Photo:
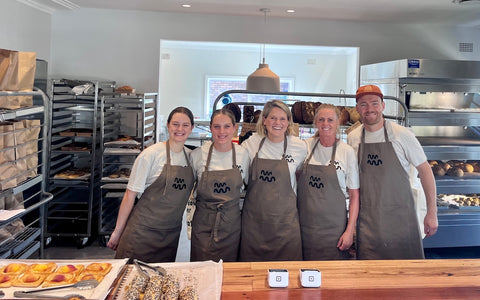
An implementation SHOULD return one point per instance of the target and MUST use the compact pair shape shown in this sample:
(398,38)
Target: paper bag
(8,70)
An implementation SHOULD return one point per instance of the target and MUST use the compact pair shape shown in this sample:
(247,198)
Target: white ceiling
(417,11)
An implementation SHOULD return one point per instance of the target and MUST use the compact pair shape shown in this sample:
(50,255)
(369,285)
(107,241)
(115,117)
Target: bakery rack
(258,99)
(127,126)
(74,138)
(30,189)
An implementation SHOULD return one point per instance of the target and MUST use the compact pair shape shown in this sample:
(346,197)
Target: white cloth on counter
(149,165)
(84,89)
(345,162)
(295,154)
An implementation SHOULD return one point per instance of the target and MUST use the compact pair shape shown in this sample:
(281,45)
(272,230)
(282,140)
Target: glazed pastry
(29,280)
(6,280)
(14,269)
(88,275)
(45,268)
(56,279)
(101,268)
(71,269)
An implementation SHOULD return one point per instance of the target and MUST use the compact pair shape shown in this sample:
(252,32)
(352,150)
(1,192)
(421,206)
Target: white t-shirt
(295,153)
(149,165)
(406,146)
(219,160)
(345,162)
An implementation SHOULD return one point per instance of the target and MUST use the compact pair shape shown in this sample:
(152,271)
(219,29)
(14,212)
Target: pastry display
(43,268)
(456,201)
(99,268)
(29,280)
(14,269)
(56,279)
(6,280)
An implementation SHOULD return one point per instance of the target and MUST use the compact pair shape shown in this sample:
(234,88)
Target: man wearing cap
(387,225)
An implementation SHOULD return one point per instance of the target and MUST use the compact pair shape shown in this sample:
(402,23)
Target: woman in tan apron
(151,231)
(321,199)
(270,226)
(216,221)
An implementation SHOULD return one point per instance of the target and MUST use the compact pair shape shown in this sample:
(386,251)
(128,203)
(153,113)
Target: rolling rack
(246,97)
(72,170)
(128,125)
(27,186)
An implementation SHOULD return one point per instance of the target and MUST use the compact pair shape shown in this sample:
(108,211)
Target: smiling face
(179,128)
(370,109)
(327,122)
(222,129)
(276,124)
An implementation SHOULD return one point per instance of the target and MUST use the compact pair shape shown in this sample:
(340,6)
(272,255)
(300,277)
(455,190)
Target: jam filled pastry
(43,268)
(14,269)
(101,268)
(29,280)
(56,279)
(71,269)
(6,280)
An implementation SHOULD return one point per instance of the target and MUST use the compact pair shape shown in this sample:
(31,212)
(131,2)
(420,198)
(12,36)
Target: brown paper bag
(15,102)
(8,70)
(7,142)
(11,202)
(27,151)
(17,70)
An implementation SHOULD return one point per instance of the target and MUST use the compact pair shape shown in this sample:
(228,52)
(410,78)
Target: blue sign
(413,63)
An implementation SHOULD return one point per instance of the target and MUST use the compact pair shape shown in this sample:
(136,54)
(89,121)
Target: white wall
(24,28)
(124,45)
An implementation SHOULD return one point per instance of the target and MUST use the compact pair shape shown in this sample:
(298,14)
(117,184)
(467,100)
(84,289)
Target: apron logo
(219,187)
(289,158)
(336,164)
(266,176)
(373,160)
(179,184)
(316,182)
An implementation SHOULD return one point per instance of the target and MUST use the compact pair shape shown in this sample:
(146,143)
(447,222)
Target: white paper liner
(121,143)
(100,292)
(207,277)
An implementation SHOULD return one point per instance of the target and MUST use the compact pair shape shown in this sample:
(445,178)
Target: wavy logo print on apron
(179,184)
(218,187)
(374,160)
(266,176)
(316,182)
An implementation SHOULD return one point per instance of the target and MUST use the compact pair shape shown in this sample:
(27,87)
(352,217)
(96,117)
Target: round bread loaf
(438,170)
(455,172)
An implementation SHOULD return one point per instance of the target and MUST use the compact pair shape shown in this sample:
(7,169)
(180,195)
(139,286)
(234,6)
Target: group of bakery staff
(296,190)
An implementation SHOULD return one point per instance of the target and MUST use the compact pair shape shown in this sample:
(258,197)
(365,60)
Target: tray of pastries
(457,201)
(119,175)
(25,275)
(455,168)
(74,174)
(185,281)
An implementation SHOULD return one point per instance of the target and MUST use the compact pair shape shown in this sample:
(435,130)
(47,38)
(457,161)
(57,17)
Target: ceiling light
(290,10)
(186,5)
(263,79)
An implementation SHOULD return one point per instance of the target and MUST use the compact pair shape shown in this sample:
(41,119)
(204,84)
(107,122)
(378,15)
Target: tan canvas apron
(321,210)
(270,227)
(387,223)
(153,228)
(216,222)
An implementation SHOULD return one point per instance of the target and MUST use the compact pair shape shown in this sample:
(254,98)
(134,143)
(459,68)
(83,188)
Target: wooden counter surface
(352,279)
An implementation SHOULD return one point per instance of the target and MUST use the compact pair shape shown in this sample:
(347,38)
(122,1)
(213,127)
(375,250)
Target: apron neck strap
(285,144)
(209,157)
(168,152)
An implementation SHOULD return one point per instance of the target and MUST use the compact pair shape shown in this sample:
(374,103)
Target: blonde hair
(261,130)
(327,106)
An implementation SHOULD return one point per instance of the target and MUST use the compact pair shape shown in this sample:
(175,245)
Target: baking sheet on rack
(207,277)
(100,292)
(121,143)
(111,150)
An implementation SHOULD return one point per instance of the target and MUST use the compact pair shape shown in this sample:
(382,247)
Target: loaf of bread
(455,172)
(344,115)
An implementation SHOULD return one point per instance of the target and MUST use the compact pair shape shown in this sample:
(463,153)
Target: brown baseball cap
(368,90)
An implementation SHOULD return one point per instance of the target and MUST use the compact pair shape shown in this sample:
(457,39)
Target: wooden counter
(352,279)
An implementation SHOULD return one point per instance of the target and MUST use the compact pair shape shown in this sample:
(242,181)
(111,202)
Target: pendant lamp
(263,79)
